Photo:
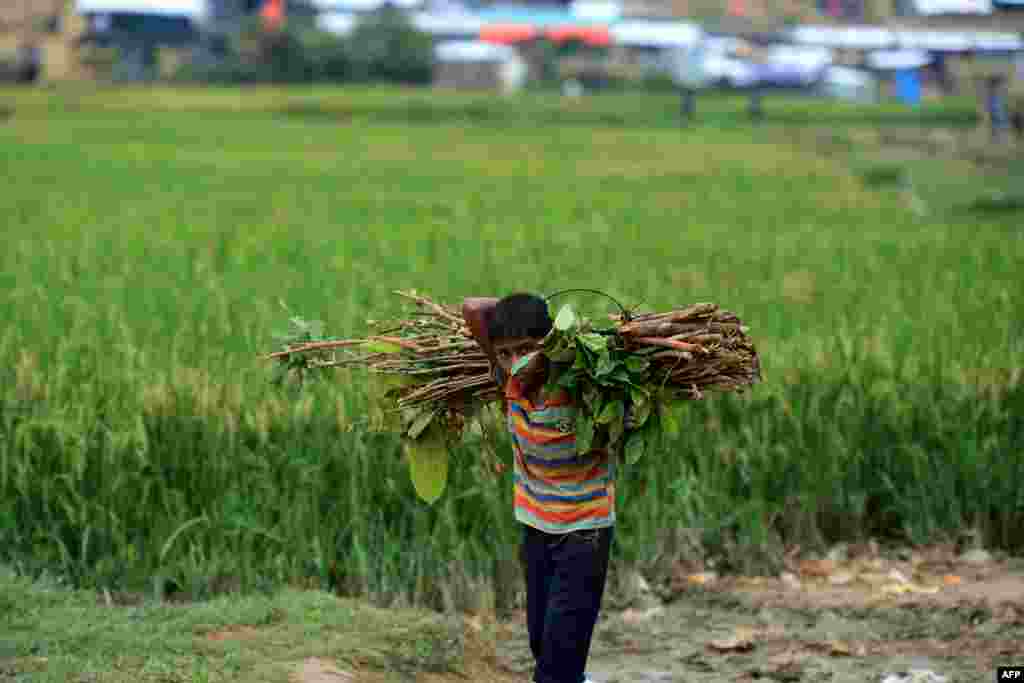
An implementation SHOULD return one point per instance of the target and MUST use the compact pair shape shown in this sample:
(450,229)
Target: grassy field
(152,236)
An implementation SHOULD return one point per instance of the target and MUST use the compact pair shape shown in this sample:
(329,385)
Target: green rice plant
(146,257)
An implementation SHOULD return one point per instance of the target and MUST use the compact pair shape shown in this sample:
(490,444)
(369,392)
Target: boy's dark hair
(517,316)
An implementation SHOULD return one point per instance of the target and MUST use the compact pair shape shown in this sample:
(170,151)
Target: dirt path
(930,618)
(917,617)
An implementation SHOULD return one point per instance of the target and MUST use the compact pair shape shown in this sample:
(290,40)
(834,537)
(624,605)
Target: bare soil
(927,616)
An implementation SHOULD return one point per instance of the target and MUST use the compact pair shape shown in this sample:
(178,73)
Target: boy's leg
(537,570)
(580,567)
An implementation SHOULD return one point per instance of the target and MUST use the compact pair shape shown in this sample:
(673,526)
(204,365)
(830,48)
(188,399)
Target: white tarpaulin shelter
(930,7)
(935,41)
(997,42)
(655,34)
(472,51)
(193,9)
(845,83)
(338,23)
(853,37)
(333,6)
(474,63)
(596,10)
(342,23)
(454,24)
(898,60)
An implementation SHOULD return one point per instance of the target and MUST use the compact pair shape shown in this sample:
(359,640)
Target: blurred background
(862,50)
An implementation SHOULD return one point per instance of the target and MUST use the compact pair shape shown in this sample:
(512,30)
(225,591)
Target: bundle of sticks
(692,349)
(437,350)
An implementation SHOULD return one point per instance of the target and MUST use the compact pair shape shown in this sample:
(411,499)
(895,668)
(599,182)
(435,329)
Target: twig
(669,343)
(316,346)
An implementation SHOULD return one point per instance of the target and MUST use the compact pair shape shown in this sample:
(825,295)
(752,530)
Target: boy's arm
(474,312)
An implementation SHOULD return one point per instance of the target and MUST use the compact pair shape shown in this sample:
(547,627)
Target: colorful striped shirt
(556,490)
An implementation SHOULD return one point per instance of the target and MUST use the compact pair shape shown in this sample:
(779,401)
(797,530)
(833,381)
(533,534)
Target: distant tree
(385,46)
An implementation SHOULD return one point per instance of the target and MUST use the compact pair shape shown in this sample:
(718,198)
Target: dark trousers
(565,577)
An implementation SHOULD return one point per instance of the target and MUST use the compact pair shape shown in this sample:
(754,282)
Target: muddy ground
(925,616)
(849,618)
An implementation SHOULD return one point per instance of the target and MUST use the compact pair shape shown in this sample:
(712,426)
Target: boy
(565,500)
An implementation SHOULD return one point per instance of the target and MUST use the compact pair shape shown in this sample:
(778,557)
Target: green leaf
(428,464)
(566,319)
(637,365)
(605,365)
(584,432)
(568,380)
(636,445)
(594,342)
(616,428)
(620,375)
(421,422)
(611,411)
(381,347)
(641,407)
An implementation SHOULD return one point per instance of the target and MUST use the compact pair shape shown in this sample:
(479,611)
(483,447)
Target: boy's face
(510,351)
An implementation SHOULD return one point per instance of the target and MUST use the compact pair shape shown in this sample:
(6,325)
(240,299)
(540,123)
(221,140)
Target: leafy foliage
(383,46)
(604,379)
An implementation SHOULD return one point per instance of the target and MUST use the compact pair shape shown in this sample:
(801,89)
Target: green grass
(53,634)
(152,235)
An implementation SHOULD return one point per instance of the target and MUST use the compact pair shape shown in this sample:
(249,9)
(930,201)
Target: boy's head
(515,326)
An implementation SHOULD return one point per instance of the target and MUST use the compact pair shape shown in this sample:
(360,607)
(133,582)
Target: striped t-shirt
(556,490)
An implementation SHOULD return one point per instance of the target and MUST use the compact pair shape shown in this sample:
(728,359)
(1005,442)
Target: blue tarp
(908,86)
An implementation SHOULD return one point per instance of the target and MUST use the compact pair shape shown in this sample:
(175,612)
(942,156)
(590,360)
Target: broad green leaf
(636,444)
(637,365)
(620,375)
(605,365)
(640,394)
(593,341)
(421,422)
(428,463)
(568,380)
(566,319)
(641,408)
(611,411)
(381,347)
(584,432)
(616,430)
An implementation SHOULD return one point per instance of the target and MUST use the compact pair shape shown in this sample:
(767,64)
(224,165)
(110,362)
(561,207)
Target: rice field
(155,240)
